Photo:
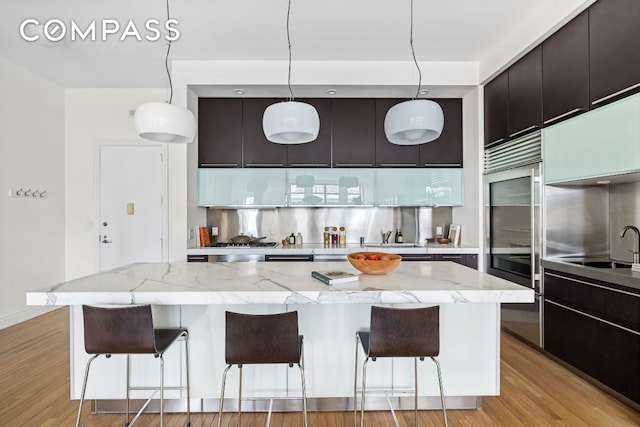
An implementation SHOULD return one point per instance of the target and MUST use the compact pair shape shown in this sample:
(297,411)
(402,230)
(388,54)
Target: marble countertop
(319,249)
(280,283)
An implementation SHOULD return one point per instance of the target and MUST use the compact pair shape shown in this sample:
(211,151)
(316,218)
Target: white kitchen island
(196,295)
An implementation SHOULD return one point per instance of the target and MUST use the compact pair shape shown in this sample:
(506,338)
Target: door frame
(97,195)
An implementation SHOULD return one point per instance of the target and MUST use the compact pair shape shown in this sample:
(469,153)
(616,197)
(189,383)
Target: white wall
(32,233)
(469,214)
(93,116)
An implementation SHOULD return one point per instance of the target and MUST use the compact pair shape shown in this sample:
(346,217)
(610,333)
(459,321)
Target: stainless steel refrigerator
(514,232)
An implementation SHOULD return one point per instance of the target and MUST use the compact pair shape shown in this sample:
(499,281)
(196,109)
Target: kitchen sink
(601,263)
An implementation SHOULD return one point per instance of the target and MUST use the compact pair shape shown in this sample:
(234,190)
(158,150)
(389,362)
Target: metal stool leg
(128,374)
(304,388)
(224,380)
(444,409)
(415,388)
(240,396)
(161,391)
(186,361)
(355,383)
(84,387)
(364,391)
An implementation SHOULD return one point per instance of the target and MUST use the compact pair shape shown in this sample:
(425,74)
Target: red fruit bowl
(374,262)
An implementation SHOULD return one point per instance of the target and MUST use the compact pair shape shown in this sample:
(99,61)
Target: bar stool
(262,339)
(129,330)
(398,332)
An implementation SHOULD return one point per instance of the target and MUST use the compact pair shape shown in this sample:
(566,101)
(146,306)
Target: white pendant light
(164,122)
(290,122)
(416,121)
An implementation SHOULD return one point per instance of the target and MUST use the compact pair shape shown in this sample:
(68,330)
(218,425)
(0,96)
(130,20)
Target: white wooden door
(131,193)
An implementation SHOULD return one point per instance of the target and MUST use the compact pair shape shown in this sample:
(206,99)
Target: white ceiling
(353,30)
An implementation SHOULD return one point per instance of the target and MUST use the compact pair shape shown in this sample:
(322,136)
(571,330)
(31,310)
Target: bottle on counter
(326,237)
(334,237)
(299,240)
(399,238)
(292,239)
(342,238)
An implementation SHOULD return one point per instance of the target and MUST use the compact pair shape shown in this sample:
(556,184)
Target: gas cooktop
(244,245)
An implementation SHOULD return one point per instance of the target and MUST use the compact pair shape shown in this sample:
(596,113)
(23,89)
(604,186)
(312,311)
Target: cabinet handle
(219,164)
(523,131)
(354,164)
(568,113)
(451,256)
(264,165)
(398,164)
(310,164)
(604,98)
(497,141)
(443,164)
(593,317)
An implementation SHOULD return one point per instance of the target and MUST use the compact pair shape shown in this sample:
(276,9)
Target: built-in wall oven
(514,233)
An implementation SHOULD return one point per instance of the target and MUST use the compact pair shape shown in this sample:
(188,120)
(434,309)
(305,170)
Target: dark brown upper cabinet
(353,132)
(614,47)
(388,154)
(258,151)
(219,132)
(317,153)
(496,110)
(446,151)
(525,93)
(565,71)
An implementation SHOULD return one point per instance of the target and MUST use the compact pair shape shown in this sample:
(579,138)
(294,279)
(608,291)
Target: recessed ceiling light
(239,91)
(605,181)
(331,91)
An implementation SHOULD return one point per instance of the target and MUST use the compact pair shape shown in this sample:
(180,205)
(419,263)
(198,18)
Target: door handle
(106,241)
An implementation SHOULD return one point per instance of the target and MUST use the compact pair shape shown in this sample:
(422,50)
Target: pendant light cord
(289,44)
(166,61)
(413,52)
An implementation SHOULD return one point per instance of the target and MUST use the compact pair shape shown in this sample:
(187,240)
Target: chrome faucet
(636,244)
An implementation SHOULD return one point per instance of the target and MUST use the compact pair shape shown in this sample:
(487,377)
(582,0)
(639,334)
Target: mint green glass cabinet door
(241,187)
(418,187)
(602,142)
(330,187)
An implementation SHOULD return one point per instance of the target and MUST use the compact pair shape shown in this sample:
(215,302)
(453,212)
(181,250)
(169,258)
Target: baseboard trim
(23,315)
(314,404)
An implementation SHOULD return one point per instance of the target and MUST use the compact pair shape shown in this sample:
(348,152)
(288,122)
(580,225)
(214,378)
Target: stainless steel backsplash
(624,209)
(577,220)
(587,220)
(417,224)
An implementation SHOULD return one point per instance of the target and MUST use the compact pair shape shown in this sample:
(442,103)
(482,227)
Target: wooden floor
(535,391)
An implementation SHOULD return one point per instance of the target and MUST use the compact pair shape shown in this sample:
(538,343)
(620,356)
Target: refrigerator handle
(534,273)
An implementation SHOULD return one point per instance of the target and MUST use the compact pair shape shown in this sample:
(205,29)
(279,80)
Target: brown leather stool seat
(262,339)
(396,332)
(129,330)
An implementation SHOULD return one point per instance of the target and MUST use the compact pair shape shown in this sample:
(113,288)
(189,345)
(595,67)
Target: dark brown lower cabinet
(583,328)
(469,260)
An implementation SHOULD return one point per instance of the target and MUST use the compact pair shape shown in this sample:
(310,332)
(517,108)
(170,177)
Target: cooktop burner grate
(244,245)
